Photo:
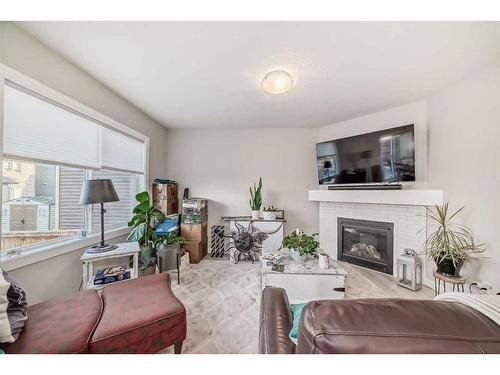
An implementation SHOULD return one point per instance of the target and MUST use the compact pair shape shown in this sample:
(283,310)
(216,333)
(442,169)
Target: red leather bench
(137,316)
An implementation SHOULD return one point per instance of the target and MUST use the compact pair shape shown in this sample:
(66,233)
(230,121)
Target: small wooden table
(458,282)
(123,250)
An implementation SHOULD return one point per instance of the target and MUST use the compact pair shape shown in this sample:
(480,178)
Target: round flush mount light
(277,82)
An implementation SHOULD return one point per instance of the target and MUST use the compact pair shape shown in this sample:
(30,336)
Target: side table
(457,282)
(123,250)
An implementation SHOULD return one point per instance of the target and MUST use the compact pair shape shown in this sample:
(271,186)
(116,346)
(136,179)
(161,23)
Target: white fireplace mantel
(406,197)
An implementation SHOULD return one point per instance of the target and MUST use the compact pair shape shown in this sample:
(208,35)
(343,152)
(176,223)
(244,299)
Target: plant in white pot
(269,213)
(256,199)
(449,244)
(301,245)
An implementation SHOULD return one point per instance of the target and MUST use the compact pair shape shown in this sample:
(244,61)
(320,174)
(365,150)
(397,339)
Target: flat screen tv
(385,156)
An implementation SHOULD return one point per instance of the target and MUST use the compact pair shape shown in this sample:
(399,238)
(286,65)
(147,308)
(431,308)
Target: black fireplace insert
(366,243)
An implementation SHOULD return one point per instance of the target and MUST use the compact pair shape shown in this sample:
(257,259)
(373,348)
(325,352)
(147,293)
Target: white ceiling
(208,74)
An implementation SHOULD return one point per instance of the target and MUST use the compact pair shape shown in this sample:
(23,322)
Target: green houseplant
(143,232)
(256,199)
(168,240)
(449,244)
(301,245)
(269,213)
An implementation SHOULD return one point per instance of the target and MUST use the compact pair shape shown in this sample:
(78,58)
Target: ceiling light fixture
(277,82)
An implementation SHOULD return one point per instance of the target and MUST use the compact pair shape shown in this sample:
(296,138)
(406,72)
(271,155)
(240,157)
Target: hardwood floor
(365,283)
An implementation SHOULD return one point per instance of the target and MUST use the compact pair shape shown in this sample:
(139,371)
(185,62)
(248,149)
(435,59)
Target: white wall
(413,113)
(464,159)
(221,164)
(22,52)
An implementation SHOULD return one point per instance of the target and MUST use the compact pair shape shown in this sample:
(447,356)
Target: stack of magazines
(111,274)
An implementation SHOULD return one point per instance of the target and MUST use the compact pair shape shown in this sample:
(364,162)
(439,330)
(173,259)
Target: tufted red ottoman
(60,326)
(140,316)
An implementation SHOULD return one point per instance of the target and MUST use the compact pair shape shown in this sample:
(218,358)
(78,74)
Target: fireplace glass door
(366,243)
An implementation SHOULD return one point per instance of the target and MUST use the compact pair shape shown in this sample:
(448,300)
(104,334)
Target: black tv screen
(383,156)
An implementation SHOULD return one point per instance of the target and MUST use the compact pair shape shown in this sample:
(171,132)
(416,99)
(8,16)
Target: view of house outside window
(40,203)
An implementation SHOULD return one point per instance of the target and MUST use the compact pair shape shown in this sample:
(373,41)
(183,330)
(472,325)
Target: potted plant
(143,232)
(449,244)
(301,245)
(269,213)
(256,199)
(167,247)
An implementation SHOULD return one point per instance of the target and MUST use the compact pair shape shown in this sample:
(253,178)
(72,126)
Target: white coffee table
(306,281)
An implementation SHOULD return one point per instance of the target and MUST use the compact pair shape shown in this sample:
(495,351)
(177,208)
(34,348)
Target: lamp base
(96,249)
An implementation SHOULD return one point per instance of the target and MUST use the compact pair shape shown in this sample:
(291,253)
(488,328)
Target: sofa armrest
(275,323)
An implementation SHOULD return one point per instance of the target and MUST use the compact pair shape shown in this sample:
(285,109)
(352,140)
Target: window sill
(50,251)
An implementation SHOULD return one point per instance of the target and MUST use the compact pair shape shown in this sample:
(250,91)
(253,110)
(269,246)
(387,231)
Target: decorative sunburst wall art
(247,242)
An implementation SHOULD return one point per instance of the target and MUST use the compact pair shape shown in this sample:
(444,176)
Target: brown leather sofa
(383,326)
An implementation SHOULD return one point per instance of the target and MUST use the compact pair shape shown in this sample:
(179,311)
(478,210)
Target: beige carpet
(222,302)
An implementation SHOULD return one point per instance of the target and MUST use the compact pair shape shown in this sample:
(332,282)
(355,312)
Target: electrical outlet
(481,287)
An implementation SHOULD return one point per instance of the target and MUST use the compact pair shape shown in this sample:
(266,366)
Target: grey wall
(221,164)
(464,160)
(22,52)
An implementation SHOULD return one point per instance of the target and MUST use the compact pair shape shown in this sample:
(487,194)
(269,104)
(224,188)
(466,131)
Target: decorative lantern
(410,270)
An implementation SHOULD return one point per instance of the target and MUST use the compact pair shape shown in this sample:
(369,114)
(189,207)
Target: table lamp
(99,191)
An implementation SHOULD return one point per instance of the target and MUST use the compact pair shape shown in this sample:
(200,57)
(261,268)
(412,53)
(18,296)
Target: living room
(261,187)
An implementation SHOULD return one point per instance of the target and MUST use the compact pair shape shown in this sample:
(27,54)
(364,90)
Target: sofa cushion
(140,316)
(13,308)
(63,325)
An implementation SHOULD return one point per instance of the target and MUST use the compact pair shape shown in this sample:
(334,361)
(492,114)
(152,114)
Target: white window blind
(121,152)
(39,130)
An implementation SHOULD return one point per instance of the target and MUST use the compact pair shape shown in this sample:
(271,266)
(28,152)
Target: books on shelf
(111,274)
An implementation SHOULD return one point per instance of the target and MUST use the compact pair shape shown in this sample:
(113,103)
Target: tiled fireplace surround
(408,220)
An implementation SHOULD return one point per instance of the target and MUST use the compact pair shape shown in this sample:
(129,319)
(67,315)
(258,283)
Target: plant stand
(457,282)
(180,253)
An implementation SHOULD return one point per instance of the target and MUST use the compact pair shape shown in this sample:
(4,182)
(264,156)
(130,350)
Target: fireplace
(366,243)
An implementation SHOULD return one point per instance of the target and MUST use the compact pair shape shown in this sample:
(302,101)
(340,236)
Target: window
(30,209)
(49,150)
(44,205)
(127,185)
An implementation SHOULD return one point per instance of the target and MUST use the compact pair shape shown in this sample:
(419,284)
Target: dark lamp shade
(98,191)
(327,164)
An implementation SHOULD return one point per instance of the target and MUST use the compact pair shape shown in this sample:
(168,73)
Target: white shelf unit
(123,250)
(405,197)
